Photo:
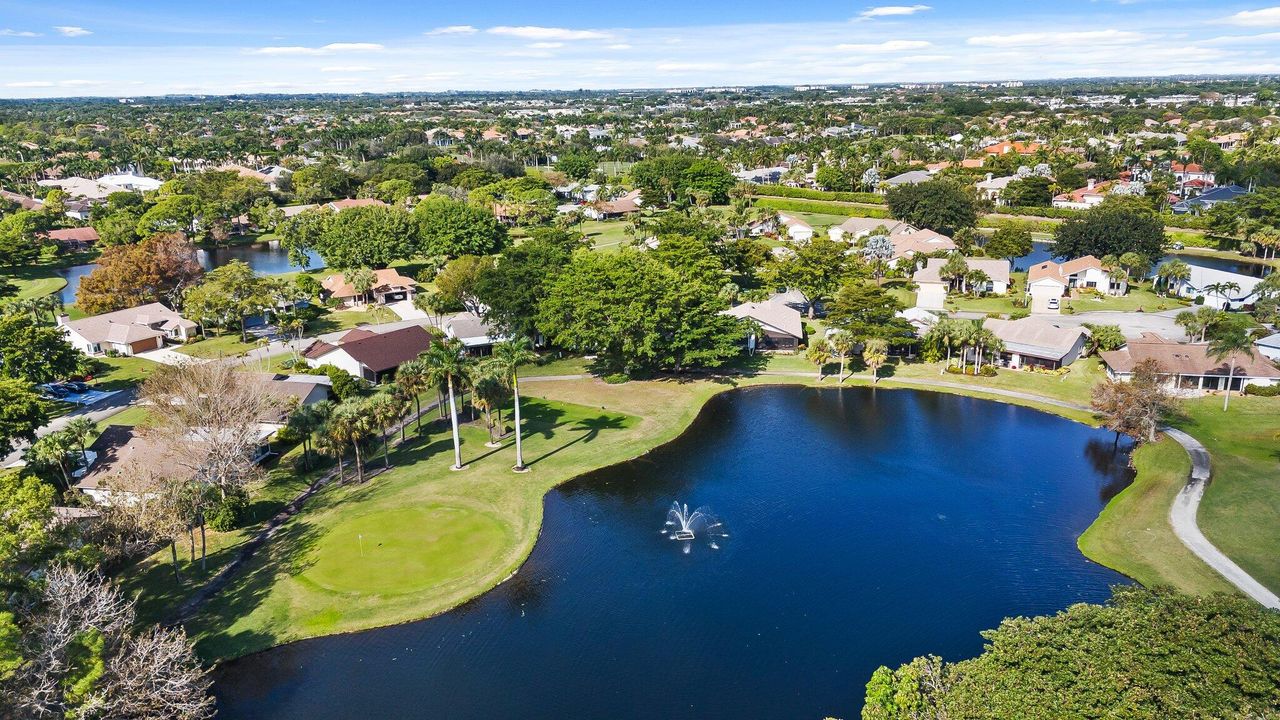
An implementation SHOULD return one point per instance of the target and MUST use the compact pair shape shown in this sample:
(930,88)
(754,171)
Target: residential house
(922,320)
(370,355)
(22,201)
(127,332)
(476,335)
(1083,198)
(1033,341)
(616,208)
(1189,172)
(910,245)
(1049,280)
(1206,200)
(1201,279)
(932,291)
(132,182)
(78,187)
(780,325)
(797,230)
(992,187)
(1269,346)
(347,204)
(1230,141)
(1189,367)
(856,228)
(388,286)
(911,177)
(74,238)
(763,176)
(1007,146)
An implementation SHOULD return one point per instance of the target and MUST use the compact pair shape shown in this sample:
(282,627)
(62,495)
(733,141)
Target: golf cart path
(1182,516)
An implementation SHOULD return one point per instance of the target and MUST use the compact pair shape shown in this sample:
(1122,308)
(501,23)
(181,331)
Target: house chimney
(989,176)
(1091,181)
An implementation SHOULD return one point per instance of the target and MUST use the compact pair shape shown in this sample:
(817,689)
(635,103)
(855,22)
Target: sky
(148,47)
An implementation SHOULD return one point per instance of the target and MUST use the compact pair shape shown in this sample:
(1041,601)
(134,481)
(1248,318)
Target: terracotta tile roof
(1062,271)
(388,350)
(1185,359)
(338,286)
(74,235)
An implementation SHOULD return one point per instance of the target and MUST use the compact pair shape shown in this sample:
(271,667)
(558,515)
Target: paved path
(165,356)
(1182,516)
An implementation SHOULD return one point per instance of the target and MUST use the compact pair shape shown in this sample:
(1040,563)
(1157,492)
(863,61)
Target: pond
(863,527)
(1042,251)
(266,258)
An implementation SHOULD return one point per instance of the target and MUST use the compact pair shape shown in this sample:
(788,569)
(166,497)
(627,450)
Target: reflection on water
(1042,251)
(265,258)
(868,526)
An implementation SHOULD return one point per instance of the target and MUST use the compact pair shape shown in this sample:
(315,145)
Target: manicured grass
(216,346)
(1132,534)
(1073,387)
(31,288)
(1240,512)
(564,366)
(122,372)
(1138,298)
(605,235)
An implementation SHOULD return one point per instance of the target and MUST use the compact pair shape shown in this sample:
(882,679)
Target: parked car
(1053,303)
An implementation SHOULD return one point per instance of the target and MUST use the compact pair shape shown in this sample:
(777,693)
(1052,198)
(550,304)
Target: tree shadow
(590,429)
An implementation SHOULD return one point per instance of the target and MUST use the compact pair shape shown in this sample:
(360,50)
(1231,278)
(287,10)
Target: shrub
(1262,390)
(1019,314)
(228,513)
(616,378)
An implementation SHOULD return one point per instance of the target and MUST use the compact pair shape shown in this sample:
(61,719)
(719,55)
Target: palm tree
(52,449)
(79,430)
(507,359)
(361,280)
(819,354)
(875,352)
(446,360)
(1173,271)
(488,389)
(413,381)
(304,421)
(329,445)
(841,344)
(385,409)
(350,423)
(1229,342)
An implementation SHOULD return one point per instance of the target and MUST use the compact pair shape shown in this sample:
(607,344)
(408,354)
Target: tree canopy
(451,228)
(942,205)
(1117,226)
(159,268)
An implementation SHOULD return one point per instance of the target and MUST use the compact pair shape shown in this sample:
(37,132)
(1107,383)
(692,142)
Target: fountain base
(682,535)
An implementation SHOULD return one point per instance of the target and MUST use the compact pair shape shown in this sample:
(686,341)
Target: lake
(1042,251)
(266,258)
(865,527)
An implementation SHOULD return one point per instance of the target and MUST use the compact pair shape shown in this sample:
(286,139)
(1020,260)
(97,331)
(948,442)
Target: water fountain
(687,526)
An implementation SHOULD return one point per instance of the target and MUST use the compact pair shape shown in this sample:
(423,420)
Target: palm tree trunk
(386,451)
(342,478)
(453,419)
(173,552)
(515,391)
(203,546)
(1230,377)
(417,404)
(359,465)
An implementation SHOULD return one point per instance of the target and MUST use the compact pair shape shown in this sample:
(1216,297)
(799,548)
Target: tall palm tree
(384,410)
(819,353)
(1173,271)
(413,381)
(350,423)
(329,445)
(79,430)
(875,352)
(507,359)
(841,344)
(304,421)
(52,449)
(447,360)
(1228,343)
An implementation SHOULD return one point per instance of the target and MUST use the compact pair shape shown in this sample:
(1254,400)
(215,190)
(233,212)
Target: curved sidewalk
(1182,516)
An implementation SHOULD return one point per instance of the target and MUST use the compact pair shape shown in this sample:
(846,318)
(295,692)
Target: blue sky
(147,47)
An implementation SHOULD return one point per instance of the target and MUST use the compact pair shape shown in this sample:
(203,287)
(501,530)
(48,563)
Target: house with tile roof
(1032,341)
(127,332)
(781,326)
(373,356)
(932,288)
(388,286)
(1050,280)
(1189,367)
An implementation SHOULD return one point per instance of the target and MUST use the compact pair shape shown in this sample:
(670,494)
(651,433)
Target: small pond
(266,258)
(864,527)
(1042,251)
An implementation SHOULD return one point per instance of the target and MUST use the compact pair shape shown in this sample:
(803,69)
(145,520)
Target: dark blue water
(264,258)
(1042,251)
(866,527)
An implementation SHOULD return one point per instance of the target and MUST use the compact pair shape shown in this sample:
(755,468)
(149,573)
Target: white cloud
(1243,39)
(80,83)
(886,46)
(29,84)
(1264,17)
(72,30)
(329,49)
(345,68)
(534,32)
(9,32)
(546,45)
(618,46)
(893,10)
(453,30)
(1042,39)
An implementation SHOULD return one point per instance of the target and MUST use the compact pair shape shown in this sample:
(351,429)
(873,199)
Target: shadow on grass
(589,429)
(288,553)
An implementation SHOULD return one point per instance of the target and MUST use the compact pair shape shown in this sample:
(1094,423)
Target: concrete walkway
(1182,516)
(165,356)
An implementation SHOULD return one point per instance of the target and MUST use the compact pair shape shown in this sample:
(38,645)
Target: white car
(1053,303)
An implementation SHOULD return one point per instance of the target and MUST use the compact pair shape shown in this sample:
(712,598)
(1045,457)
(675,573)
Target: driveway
(165,356)
(407,311)
(1132,324)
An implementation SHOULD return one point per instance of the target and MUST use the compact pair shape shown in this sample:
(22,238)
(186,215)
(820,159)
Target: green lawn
(1073,387)
(119,373)
(1132,534)
(216,346)
(605,235)
(1240,512)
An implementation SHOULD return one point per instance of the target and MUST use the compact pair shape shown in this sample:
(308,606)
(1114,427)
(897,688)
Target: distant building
(127,332)
(1206,200)
(781,326)
(932,292)
(1188,366)
(370,355)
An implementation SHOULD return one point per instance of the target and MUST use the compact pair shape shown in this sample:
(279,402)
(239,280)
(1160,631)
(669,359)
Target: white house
(781,325)
(932,288)
(1035,341)
(798,230)
(856,228)
(370,355)
(132,181)
(1049,280)
(127,332)
(1269,346)
(1083,198)
(992,187)
(476,334)
(1203,277)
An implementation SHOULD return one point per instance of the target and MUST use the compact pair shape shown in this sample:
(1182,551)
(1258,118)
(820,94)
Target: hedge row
(808,194)
(825,208)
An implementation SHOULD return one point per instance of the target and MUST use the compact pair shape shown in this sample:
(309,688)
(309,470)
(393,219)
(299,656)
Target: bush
(228,513)
(1019,314)
(1262,390)
(616,378)
(986,371)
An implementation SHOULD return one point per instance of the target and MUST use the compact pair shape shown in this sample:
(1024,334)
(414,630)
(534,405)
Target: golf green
(406,550)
